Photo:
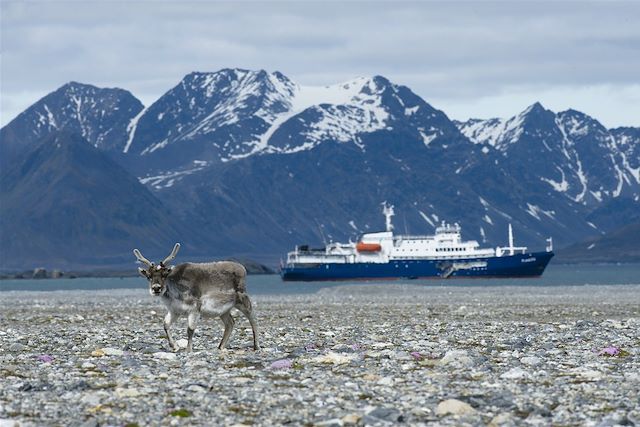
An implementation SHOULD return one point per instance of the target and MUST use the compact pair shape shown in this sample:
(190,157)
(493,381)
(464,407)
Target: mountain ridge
(259,163)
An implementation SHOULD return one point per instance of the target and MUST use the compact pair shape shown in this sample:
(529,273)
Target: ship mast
(387,211)
(510,240)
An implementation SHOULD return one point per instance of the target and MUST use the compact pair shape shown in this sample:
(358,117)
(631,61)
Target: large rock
(454,407)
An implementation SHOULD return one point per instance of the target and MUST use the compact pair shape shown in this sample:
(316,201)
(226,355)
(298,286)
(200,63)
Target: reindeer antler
(141,258)
(173,254)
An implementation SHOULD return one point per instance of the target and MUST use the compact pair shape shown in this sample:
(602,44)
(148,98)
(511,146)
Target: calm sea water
(555,275)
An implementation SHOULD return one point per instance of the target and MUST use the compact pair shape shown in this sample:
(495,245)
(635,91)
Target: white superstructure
(384,246)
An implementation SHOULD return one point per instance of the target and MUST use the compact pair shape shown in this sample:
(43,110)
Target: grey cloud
(448,51)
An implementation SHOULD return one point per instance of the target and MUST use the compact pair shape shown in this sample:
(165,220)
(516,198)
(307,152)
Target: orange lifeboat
(368,247)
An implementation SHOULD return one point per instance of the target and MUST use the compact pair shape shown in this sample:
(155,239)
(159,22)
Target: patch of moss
(183,413)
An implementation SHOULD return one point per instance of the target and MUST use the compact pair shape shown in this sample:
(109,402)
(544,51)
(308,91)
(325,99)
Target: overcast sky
(469,59)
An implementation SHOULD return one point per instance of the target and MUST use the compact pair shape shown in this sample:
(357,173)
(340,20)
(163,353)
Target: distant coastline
(42,273)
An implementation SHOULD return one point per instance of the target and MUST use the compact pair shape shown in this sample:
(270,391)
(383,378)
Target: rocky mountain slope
(100,115)
(253,163)
(65,204)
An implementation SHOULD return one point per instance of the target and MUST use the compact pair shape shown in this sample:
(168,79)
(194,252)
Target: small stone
(334,422)
(531,360)
(590,375)
(352,420)
(164,355)
(632,376)
(387,414)
(456,357)
(182,343)
(92,399)
(17,347)
(454,407)
(97,353)
(515,374)
(91,422)
(502,420)
(87,365)
(370,377)
(108,351)
(388,381)
(381,345)
(334,358)
(127,392)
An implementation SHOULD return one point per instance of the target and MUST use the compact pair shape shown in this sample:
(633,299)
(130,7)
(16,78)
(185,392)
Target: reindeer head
(156,274)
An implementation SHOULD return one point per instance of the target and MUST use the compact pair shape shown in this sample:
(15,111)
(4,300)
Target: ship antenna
(324,240)
(387,210)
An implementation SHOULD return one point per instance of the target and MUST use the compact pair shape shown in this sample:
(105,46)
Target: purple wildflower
(45,358)
(416,355)
(282,364)
(609,351)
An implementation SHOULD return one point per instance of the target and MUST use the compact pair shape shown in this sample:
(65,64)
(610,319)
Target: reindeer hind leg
(228,321)
(244,305)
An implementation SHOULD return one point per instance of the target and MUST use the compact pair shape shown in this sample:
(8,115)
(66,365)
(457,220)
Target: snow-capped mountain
(232,114)
(214,114)
(628,143)
(571,152)
(99,115)
(261,163)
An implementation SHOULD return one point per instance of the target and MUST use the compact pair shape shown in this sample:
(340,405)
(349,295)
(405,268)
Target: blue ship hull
(520,265)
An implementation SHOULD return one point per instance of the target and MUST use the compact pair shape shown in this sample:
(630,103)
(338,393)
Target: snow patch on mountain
(573,159)
(426,218)
(535,211)
(561,186)
(167,179)
(131,130)
(498,133)
(50,117)
(346,110)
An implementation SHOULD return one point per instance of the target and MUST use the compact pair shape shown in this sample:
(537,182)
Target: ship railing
(294,257)
(507,250)
(413,237)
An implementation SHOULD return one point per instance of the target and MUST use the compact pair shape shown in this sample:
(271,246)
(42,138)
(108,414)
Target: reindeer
(194,290)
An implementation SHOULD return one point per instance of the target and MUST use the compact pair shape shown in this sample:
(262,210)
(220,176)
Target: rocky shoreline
(349,355)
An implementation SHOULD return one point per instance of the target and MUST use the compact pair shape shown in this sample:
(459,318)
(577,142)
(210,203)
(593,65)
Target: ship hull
(519,265)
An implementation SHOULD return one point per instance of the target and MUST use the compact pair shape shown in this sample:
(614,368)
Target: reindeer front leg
(192,322)
(168,321)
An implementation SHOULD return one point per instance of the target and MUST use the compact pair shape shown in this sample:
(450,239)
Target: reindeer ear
(143,272)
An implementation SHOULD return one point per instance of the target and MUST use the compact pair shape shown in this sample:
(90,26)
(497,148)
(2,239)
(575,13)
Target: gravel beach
(349,355)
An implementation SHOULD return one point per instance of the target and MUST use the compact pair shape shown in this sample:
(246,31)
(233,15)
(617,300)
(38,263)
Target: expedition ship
(384,255)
